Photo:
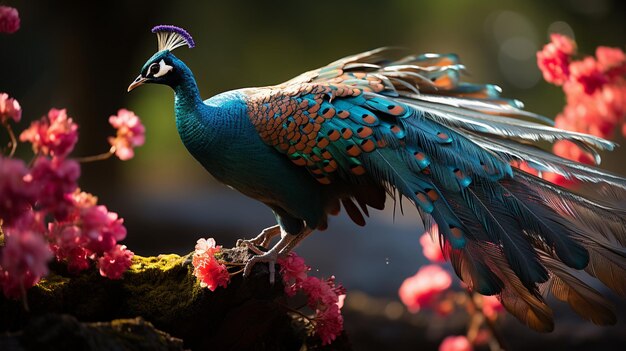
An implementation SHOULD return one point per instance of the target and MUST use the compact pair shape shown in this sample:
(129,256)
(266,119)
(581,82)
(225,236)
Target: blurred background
(82,56)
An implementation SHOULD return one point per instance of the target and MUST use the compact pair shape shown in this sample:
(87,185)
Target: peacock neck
(193,117)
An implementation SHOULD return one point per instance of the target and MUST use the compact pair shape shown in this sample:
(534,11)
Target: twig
(13,141)
(99,157)
(489,323)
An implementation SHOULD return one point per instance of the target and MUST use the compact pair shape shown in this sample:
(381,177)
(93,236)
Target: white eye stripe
(163,69)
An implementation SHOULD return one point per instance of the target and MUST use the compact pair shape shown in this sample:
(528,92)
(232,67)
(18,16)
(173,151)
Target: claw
(270,257)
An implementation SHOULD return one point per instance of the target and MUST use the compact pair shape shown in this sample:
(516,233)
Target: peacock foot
(263,239)
(270,256)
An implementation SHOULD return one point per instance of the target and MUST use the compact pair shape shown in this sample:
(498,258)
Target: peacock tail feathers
(412,126)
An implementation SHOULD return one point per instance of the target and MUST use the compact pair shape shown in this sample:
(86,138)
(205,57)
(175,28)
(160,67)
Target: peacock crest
(172,37)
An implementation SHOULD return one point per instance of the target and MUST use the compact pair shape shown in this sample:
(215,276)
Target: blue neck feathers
(193,117)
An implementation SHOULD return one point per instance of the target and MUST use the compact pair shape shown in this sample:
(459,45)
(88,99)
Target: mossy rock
(248,314)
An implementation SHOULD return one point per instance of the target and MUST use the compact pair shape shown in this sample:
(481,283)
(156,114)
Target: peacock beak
(137,82)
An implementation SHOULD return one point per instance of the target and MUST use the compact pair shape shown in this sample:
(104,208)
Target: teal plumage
(368,126)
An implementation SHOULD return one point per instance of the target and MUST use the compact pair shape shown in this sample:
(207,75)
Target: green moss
(163,263)
(161,287)
(53,283)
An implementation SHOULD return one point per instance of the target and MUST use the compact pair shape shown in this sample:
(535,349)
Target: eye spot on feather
(357,170)
(343,114)
(346,133)
(420,156)
(322,142)
(314,109)
(329,166)
(432,194)
(443,136)
(369,119)
(395,110)
(333,135)
(298,160)
(328,112)
(368,145)
(353,150)
(364,132)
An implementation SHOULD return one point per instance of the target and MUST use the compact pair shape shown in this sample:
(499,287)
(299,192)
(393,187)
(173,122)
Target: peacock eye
(154,69)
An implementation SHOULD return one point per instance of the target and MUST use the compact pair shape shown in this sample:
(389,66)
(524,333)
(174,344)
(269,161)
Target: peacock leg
(266,235)
(263,239)
(270,256)
(292,244)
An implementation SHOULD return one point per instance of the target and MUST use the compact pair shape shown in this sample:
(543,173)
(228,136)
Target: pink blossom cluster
(422,289)
(9,20)
(430,287)
(324,296)
(595,90)
(431,249)
(130,134)
(207,268)
(43,214)
(10,109)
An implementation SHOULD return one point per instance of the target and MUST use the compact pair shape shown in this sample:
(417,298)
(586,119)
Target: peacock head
(163,67)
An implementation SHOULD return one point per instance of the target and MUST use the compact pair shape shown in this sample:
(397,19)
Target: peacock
(377,124)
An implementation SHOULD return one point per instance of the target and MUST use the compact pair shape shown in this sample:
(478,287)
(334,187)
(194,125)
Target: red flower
(130,134)
(294,272)
(421,289)
(207,269)
(553,60)
(54,135)
(455,343)
(9,108)
(24,261)
(431,249)
(115,262)
(9,20)
(328,324)
(17,193)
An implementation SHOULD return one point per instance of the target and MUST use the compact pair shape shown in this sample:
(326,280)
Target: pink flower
(611,59)
(9,107)
(54,135)
(101,229)
(563,43)
(17,193)
(207,268)
(115,262)
(553,60)
(24,261)
(55,181)
(455,343)
(293,271)
(67,243)
(431,250)
(130,134)
(322,293)
(421,289)
(328,324)
(587,76)
(491,306)
(9,20)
